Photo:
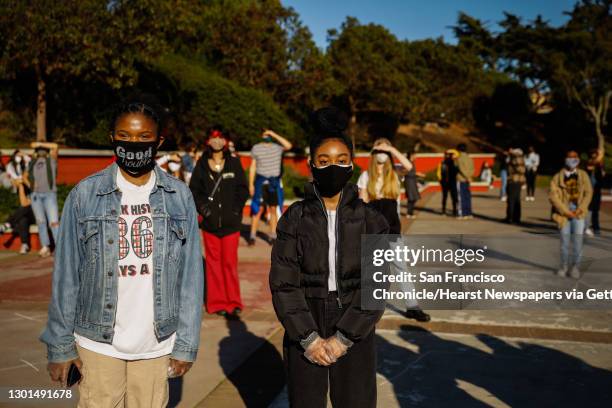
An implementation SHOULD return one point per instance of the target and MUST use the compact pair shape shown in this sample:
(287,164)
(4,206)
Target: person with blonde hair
(380,187)
(380,184)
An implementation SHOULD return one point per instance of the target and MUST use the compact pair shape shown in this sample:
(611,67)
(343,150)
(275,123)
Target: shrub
(292,182)
(204,98)
(9,201)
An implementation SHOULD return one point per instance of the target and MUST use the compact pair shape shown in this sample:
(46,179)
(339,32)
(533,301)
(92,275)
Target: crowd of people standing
(34,180)
(156,228)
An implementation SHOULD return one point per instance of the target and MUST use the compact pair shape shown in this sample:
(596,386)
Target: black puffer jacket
(228,201)
(300,265)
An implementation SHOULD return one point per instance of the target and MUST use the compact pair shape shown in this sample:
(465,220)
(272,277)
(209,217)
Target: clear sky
(418,19)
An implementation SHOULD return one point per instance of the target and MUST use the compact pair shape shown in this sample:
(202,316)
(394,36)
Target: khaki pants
(112,382)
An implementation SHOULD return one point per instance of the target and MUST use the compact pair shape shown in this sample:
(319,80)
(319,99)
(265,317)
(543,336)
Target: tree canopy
(248,64)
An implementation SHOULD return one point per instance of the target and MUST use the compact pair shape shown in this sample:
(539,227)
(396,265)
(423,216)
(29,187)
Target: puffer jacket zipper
(210,174)
(338,291)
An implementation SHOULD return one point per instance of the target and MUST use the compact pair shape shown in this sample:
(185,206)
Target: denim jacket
(84,291)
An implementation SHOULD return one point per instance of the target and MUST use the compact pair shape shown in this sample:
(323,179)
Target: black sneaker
(417,314)
(234,315)
(251,241)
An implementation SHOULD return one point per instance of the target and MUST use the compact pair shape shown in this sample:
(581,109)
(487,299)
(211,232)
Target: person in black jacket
(315,279)
(447,175)
(595,168)
(220,190)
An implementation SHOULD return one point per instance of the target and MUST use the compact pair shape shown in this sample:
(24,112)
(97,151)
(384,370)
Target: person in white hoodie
(532,162)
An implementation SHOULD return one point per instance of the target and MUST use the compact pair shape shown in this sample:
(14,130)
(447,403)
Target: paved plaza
(462,358)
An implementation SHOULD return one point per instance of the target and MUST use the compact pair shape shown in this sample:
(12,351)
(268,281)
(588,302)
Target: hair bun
(329,121)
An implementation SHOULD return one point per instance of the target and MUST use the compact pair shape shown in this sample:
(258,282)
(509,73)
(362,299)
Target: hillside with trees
(250,64)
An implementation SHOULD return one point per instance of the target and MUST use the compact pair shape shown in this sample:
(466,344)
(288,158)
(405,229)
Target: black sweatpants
(531,175)
(351,380)
(513,208)
(20,221)
(452,189)
(388,208)
(594,207)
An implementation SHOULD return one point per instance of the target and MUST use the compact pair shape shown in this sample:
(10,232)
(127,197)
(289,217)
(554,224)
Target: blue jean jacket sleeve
(191,288)
(58,334)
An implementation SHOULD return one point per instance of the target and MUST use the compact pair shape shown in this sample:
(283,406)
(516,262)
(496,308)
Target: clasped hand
(325,352)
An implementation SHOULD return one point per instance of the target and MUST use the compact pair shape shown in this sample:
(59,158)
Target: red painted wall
(74,165)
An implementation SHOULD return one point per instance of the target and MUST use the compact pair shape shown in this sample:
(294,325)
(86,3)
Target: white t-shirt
(362,184)
(363,181)
(331,235)
(134,337)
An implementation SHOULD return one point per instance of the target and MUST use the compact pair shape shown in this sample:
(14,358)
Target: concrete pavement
(497,358)
(462,358)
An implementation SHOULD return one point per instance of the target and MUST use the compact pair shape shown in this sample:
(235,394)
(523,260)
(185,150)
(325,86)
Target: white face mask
(17,159)
(217,143)
(174,167)
(382,157)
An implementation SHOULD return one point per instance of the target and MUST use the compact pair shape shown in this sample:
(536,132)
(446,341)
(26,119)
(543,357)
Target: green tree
(563,65)
(444,81)
(367,63)
(524,56)
(308,82)
(246,40)
(88,39)
(580,60)
(259,44)
(202,98)
(473,35)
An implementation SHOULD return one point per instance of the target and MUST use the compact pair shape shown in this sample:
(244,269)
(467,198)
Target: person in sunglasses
(315,279)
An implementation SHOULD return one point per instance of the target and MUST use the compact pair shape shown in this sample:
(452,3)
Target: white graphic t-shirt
(134,336)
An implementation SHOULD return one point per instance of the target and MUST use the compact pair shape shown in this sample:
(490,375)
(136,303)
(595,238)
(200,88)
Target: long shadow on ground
(526,375)
(261,377)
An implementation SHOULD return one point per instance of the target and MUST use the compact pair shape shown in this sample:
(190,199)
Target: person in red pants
(220,190)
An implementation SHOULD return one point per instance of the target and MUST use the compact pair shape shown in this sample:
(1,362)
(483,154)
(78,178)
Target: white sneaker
(504,199)
(44,252)
(25,248)
(575,272)
(589,232)
(562,272)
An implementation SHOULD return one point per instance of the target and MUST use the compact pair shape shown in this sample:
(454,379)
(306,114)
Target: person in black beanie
(315,279)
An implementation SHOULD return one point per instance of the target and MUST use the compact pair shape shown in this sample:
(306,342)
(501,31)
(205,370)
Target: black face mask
(331,179)
(135,158)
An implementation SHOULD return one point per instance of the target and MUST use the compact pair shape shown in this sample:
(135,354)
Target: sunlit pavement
(472,358)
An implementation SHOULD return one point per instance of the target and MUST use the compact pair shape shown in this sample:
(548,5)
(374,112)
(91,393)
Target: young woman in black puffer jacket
(315,279)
